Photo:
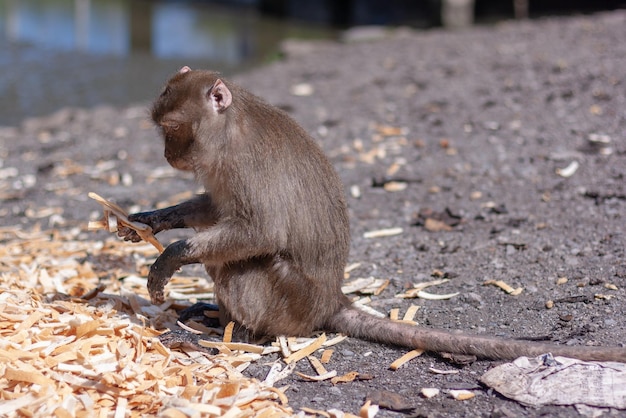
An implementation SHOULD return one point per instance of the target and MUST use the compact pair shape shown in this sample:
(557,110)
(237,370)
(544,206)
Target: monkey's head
(191,105)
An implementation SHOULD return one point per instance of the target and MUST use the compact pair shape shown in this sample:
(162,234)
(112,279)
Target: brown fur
(272,227)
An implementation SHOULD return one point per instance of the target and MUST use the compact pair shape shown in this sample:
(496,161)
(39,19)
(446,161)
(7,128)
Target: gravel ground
(479,127)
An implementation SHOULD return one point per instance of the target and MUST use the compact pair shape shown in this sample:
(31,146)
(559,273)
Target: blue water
(84,53)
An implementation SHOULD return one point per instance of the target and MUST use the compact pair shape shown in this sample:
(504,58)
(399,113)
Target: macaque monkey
(272,226)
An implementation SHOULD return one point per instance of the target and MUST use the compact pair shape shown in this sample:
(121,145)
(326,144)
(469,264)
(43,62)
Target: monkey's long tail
(355,323)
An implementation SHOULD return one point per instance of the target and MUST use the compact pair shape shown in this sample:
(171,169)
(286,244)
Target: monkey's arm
(196,212)
(229,240)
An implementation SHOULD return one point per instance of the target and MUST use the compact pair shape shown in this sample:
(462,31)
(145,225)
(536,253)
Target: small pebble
(347,353)
(335,390)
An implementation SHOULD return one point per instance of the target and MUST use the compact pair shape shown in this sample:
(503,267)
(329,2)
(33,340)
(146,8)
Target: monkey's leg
(197,309)
(228,241)
(268,298)
(165,266)
(183,338)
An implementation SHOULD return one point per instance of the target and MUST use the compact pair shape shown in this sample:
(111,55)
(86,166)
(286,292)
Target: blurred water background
(83,53)
(87,52)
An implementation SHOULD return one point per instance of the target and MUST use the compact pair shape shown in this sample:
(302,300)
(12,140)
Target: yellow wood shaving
(379,233)
(382,287)
(72,357)
(462,395)
(317,365)
(405,358)
(326,355)
(316,412)
(410,313)
(318,378)
(228,332)
(504,286)
(121,217)
(298,355)
(394,314)
(250,348)
(30,376)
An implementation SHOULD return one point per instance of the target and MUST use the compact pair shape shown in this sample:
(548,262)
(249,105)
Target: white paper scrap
(548,380)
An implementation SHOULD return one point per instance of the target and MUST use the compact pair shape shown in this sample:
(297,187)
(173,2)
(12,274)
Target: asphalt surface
(480,128)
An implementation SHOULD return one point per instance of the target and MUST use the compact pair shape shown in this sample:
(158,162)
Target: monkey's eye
(170,126)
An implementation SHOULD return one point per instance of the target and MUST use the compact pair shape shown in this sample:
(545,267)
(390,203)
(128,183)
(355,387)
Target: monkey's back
(284,186)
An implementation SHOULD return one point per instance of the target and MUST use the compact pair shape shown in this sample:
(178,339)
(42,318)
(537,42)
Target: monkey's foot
(185,339)
(197,309)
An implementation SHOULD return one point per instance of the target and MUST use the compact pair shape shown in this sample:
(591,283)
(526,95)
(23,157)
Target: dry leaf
(434,225)
(348,377)
(390,400)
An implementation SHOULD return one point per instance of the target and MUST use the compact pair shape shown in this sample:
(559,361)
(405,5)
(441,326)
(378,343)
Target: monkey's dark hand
(150,218)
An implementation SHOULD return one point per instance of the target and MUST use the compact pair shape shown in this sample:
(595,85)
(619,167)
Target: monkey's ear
(220,96)
(184,70)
